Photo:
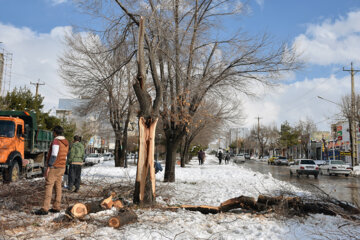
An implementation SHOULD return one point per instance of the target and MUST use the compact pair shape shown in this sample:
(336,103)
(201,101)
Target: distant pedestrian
(56,162)
(201,156)
(227,157)
(220,157)
(75,162)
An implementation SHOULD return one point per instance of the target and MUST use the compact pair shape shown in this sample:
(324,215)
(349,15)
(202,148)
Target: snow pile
(356,171)
(208,184)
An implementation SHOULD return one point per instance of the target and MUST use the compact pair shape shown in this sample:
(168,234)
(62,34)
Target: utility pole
(37,87)
(258,133)
(353,137)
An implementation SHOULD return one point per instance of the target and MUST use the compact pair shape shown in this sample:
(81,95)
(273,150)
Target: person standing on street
(75,162)
(220,156)
(56,163)
(227,157)
(199,156)
(202,156)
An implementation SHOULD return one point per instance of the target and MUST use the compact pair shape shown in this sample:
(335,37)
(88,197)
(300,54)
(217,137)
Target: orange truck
(23,147)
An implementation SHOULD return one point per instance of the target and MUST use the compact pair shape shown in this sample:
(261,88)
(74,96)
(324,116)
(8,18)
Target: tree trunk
(119,158)
(185,153)
(123,152)
(144,194)
(169,175)
(188,157)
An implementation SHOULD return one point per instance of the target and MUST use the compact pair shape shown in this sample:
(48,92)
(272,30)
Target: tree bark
(171,147)
(185,153)
(119,158)
(144,194)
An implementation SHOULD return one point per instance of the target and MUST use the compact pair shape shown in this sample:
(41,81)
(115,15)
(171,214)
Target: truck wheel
(346,175)
(12,174)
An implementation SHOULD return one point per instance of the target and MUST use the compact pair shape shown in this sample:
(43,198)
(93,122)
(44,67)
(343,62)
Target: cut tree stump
(79,210)
(125,216)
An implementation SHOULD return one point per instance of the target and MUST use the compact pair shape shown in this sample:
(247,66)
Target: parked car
(281,161)
(108,156)
(239,158)
(304,167)
(320,162)
(94,158)
(247,156)
(336,167)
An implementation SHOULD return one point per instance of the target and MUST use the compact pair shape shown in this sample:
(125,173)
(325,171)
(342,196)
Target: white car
(108,156)
(94,158)
(304,167)
(239,158)
(336,167)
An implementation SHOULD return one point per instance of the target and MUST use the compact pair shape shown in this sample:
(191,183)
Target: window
(307,162)
(19,131)
(7,129)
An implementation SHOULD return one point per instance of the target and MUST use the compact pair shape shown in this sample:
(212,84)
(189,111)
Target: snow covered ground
(208,184)
(356,171)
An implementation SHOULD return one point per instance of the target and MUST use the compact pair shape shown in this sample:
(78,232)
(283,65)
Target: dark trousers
(74,176)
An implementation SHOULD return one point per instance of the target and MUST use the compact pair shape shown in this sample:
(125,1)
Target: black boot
(41,211)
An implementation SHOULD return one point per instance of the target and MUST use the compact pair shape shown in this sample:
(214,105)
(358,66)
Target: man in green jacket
(75,161)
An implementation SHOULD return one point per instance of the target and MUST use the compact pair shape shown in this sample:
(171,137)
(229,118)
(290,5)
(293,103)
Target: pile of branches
(286,205)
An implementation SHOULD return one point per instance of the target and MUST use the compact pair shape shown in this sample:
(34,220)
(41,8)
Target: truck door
(20,140)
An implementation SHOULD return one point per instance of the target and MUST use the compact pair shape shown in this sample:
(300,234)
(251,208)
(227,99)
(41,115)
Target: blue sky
(326,32)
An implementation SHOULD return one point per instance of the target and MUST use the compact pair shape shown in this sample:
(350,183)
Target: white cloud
(56,2)
(35,57)
(292,102)
(331,42)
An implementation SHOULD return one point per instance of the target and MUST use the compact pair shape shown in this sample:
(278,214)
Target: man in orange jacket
(56,163)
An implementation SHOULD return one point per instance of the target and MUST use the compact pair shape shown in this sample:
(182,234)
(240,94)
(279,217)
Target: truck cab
(22,145)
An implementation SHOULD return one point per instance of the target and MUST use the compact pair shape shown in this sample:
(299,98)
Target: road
(340,187)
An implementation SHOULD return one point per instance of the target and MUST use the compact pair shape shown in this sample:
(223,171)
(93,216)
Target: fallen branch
(293,205)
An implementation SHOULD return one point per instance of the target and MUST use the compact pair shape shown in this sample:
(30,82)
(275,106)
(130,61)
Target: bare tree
(347,113)
(188,60)
(102,76)
(264,135)
(305,128)
(191,64)
(207,123)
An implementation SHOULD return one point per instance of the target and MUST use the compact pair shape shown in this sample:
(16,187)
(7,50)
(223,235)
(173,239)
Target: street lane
(340,187)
